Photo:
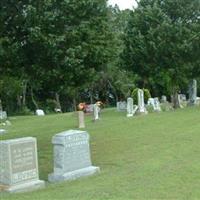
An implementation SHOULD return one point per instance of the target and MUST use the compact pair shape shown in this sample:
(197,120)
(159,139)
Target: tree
(160,43)
(55,47)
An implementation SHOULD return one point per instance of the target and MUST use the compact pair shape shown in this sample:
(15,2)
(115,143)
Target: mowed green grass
(156,156)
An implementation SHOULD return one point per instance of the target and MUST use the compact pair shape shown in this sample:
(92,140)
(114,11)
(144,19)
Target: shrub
(134,95)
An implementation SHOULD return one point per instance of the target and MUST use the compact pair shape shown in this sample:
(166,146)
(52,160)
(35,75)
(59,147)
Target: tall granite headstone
(71,156)
(19,165)
(141,106)
(130,110)
(193,92)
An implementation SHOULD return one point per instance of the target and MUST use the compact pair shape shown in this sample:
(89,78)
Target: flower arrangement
(81,106)
(99,103)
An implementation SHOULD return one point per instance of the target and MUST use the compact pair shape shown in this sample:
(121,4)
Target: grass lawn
(146,157)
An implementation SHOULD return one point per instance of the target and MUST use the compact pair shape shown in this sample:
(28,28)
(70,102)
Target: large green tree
(54,47)
(162,43)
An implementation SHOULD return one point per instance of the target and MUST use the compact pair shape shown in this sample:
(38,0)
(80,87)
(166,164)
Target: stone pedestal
(19,165)
(71,156)
(81,119)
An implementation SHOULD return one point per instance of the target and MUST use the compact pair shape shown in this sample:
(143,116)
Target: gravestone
(130,109)
(3,115)
(2,132)
(81,119)
(141,106)
(163,99)
(180,102)
(121,106)
(193,92)
(183,97)
(19,165)
(157,107)
(96,111)
(151,102)
(71,156)
(40,112)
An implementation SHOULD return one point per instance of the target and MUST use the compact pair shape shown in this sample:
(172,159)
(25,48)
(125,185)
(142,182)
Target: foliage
(134,95)
(57,47)
(162,42)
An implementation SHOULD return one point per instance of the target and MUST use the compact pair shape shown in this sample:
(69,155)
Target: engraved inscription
(23,161)
(77,153)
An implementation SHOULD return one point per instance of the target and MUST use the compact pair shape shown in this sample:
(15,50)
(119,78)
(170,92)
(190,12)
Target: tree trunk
(1,108)
(91,97)
(74,104)
(19,101)
(24,89)
(33,99)
(58,105)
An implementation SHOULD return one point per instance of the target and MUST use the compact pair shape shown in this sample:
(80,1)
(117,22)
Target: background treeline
(57,53)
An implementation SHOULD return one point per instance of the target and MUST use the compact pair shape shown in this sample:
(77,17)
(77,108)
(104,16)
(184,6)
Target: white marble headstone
(130,112)
(40,112)
(141,105)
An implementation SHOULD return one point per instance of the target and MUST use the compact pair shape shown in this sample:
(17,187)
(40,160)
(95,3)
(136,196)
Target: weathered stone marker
(71,156)
(81,119)
(19,165)
(130,110)
(121,106)
(163,99)
(96,112)
(3,115)
(157,107)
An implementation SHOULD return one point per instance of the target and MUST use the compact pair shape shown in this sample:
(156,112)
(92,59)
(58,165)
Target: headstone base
(142,113)
(25,187)
(74,174)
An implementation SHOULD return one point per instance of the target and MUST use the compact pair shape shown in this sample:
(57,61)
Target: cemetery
(157,153)
(99,100)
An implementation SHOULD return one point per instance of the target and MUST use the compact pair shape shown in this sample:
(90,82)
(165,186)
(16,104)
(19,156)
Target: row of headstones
(154,102)
(19,161)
